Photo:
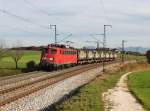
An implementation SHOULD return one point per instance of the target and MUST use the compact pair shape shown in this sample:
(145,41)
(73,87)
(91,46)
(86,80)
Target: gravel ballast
(52,94)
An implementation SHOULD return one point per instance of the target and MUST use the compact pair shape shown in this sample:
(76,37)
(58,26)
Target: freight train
(55,56)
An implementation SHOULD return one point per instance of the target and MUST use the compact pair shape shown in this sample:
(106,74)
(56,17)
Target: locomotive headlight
(51,59)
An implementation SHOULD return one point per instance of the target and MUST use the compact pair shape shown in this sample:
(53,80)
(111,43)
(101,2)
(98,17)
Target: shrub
(31,65)
(148,56)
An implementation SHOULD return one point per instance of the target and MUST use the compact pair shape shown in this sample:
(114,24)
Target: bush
(148,56)
(31,65)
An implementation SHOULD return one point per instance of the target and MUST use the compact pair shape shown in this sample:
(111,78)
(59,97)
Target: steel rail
(14,94)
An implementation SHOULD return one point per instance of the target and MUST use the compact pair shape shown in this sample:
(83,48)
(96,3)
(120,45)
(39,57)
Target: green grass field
(89,97)
(7,65)
(132,57)
(139,84)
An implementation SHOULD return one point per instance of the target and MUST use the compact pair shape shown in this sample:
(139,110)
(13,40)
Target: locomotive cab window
(53,51)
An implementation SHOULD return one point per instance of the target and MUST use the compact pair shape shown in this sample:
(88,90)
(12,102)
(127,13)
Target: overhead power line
(38,8)
(16,28)
(105,12)
(22,18)
(65,38)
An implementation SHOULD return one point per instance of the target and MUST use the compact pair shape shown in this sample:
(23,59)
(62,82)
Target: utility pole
(55,29)
(123,51)
(104,39)
(137,53)
(97,45)
(104,45)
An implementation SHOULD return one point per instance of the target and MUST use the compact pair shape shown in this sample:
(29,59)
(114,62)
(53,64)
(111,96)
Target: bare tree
(3,49)
(17,53)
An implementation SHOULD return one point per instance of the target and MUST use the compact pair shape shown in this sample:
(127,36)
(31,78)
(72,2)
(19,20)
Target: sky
(28,21)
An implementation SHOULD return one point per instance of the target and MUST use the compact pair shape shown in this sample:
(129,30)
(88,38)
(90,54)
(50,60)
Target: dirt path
(120,99)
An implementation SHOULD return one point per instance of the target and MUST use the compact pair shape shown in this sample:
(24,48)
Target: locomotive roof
(60,46)
(63,46)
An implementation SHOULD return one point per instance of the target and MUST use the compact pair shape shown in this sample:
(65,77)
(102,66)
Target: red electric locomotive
(58,56)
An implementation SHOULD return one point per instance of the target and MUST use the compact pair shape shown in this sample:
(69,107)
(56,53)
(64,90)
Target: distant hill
(139,49)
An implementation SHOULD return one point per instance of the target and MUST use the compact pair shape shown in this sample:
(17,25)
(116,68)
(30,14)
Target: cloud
(130,19)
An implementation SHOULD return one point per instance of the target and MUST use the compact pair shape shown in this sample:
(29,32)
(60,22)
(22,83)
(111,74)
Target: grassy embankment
(89,97)
(139,84)
(138,58)
(7,65)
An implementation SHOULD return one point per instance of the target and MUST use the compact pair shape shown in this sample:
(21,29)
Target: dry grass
(137,66)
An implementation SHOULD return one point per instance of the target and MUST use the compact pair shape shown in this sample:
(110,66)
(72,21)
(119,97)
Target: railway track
(13,76)
(12,92)
(26,76)
(16,78)
(30,79)
(31,75)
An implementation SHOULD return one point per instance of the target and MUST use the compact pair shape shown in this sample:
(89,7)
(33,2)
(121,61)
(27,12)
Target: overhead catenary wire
(14,28)
(93,36)
(65,38)
(105,12)
(22,18)
(38,8)
(17,28)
